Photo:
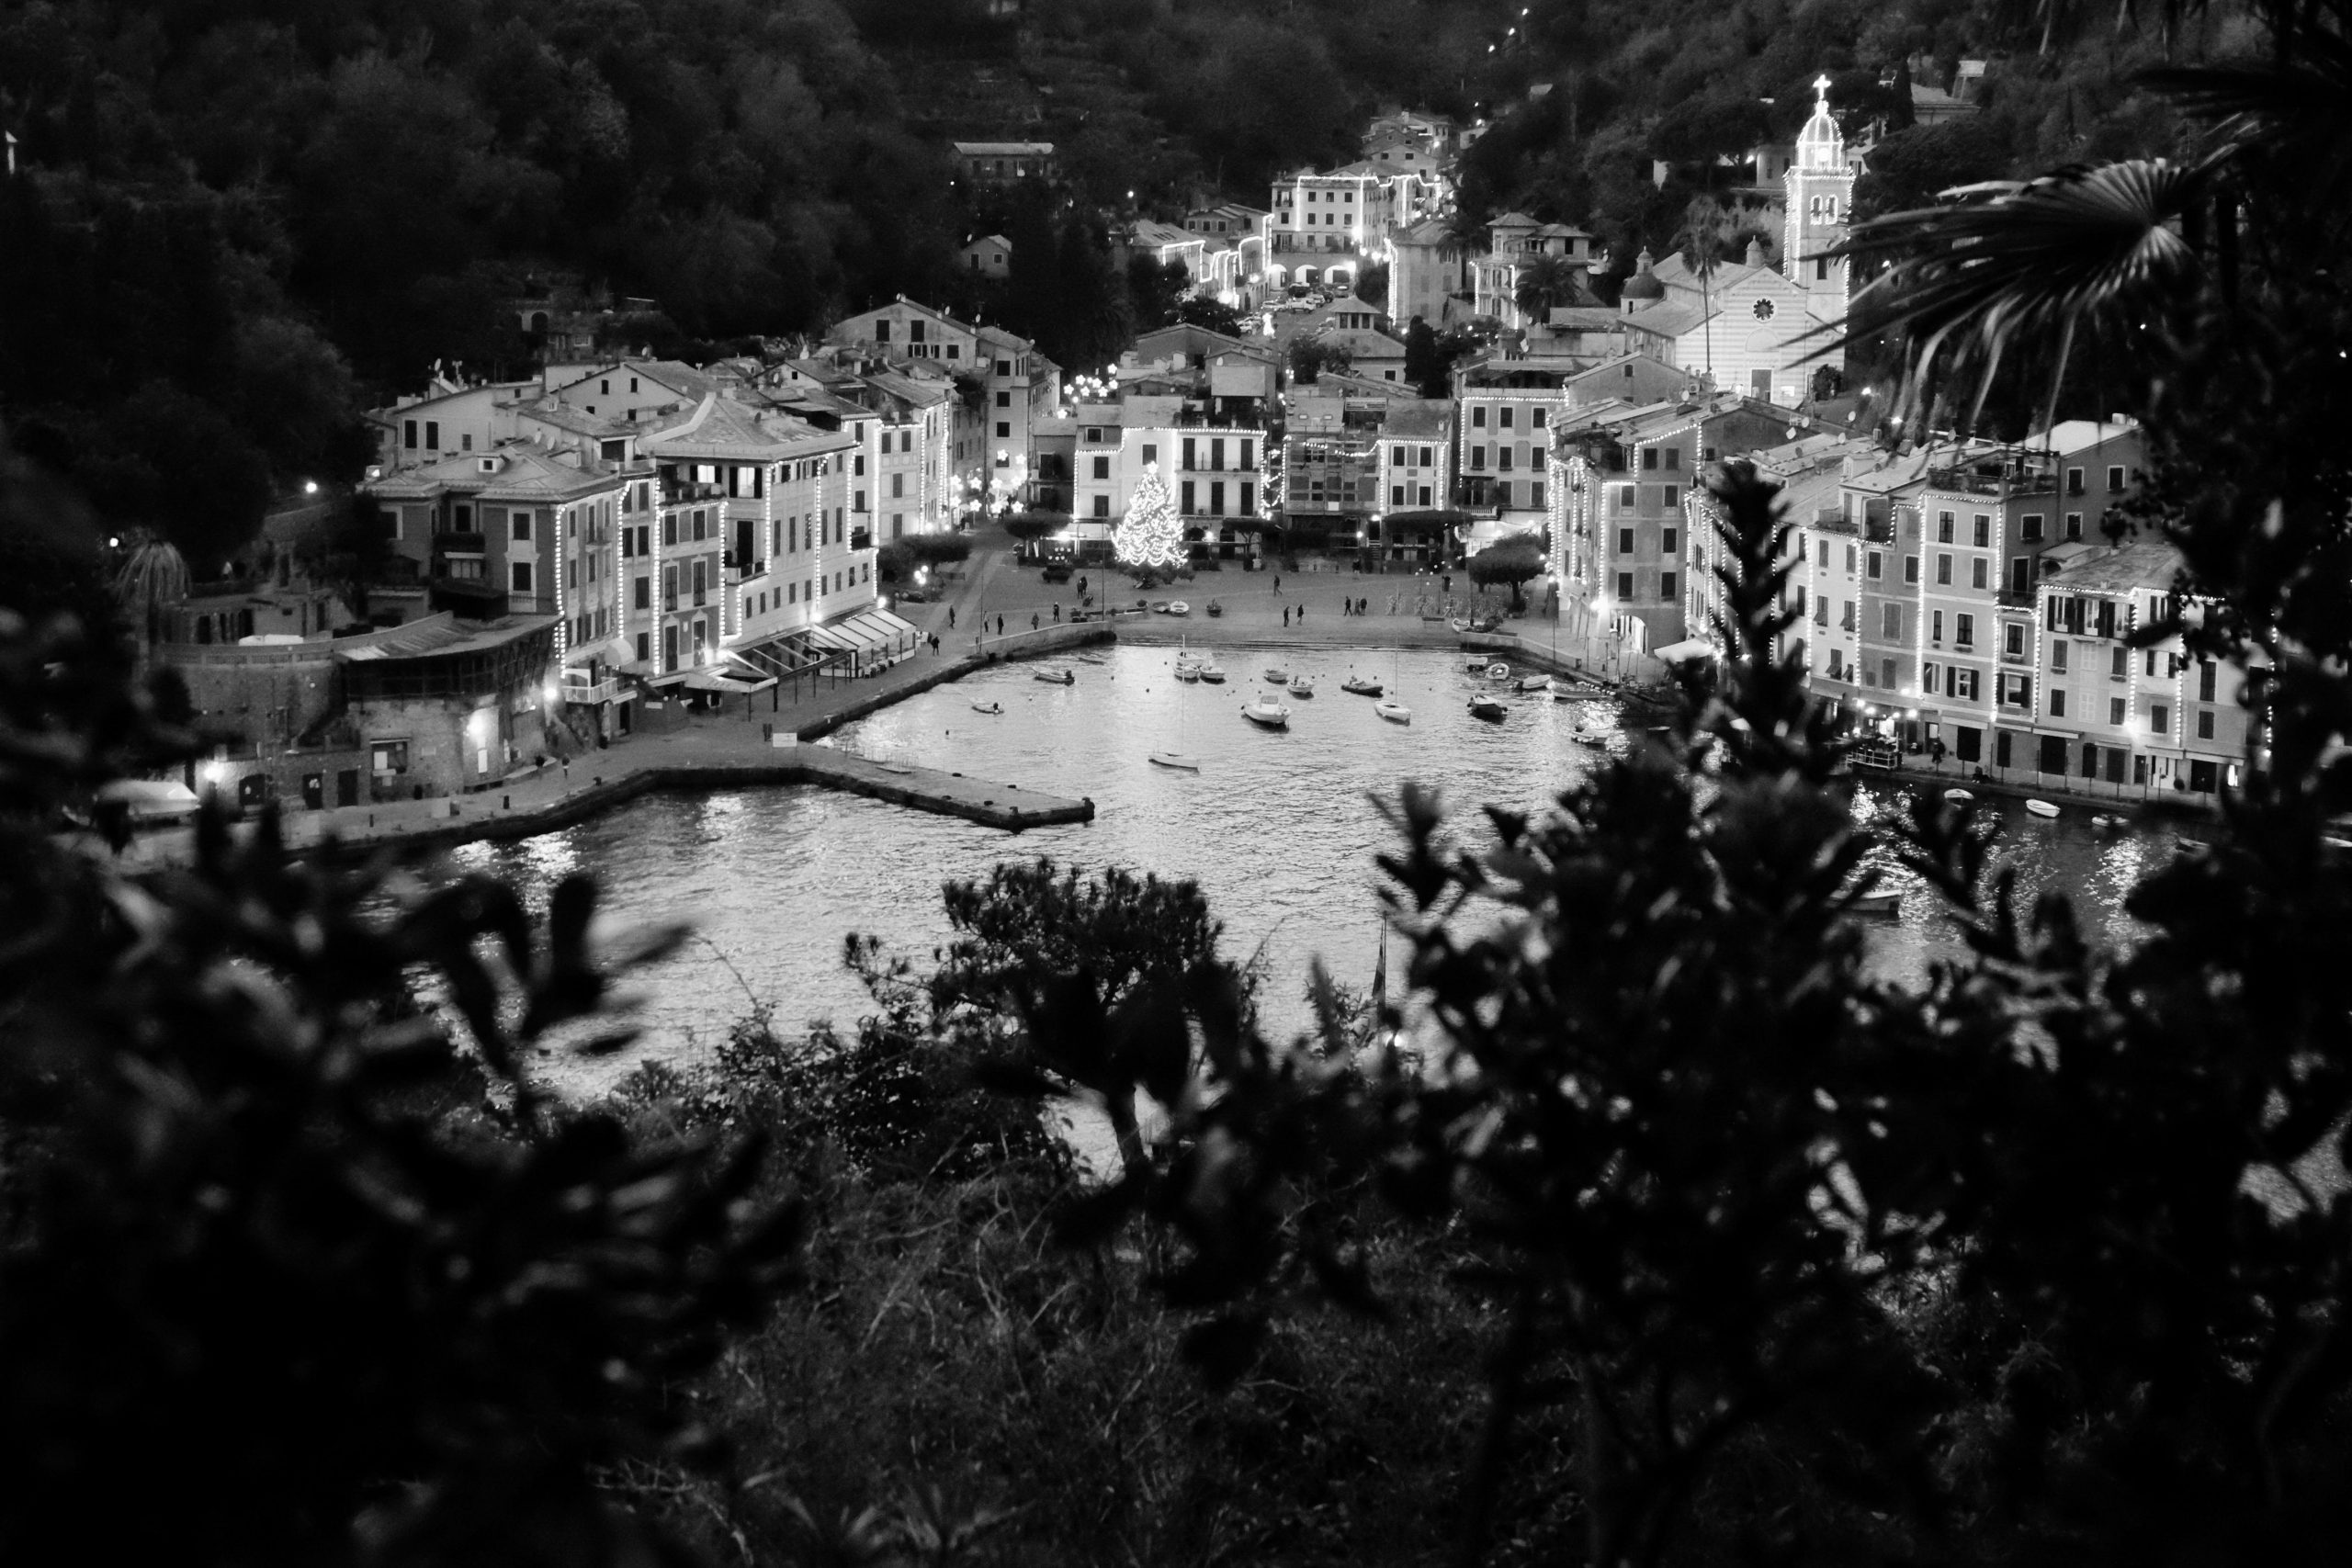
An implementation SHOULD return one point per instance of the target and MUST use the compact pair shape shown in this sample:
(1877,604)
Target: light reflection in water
(1278,827)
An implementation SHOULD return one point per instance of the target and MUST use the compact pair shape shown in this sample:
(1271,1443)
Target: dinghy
(1189,674)
(1277,676)
(2042,808)
(1958,796)
(1057,677)
(1178,607)
(1302,685)
(987,707)
(1498,671)
(1213,675)
(1535,683)
(1360,686)
(1491,709)
(1176,760)
(1393,711)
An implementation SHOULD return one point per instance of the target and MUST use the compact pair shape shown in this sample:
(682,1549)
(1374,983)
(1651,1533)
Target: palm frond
(2086,250)
(2296,116)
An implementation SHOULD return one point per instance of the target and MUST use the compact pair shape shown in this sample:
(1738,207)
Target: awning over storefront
(872,636)
(1686,649)
(725,684)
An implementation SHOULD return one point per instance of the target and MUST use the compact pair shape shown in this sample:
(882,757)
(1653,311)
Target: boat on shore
(1393,711)
(1535,683)
(1057,677)
(1266,714)
(1177,760)
(1491,709)
(2041,808)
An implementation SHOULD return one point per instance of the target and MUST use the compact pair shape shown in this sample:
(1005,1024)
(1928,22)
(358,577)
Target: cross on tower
(1821,90)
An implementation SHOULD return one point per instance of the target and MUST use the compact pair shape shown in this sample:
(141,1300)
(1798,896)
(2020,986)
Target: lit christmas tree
(1150,534)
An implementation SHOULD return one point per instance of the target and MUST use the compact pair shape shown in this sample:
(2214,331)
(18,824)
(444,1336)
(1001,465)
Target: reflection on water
(1279,829)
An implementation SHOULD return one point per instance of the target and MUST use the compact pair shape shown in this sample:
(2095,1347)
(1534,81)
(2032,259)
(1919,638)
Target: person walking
(999,626)
(1285,620)
(951,618)
(1032,620)
(1057,614)
(1278,583)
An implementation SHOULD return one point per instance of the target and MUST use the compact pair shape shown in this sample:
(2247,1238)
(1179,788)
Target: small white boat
(1535,683)
(1302,685)
(1498,671)
(1189,674)
(1960,796)
(2104,820)
(1277,676)
(1160,606)
(1057,677)
(1266,714)
(1458,623)
(1393,711)
(1176,760)
(987,707)
(1491,709)
(1360,686)
(1592,742)
(1179,607)
(1213,675)
(2042,808)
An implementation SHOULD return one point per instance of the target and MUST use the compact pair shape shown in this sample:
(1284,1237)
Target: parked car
(916,593)
(1058,571)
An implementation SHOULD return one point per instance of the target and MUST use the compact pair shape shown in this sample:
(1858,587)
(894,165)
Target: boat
(1277,676)
(1592,742)
(1566,694)
(1960,795)
(1491,709)
(1189,674)
(2191,846)
(1875,904)
(1213,675)
(2042,808)
(1266,714)
(987,707)
(1176,760)
(1160,606)
(1498,671)
(1478,665)
(1302,685)
(1057,677)
(1458,623)
(2104,820)
(1535,683)
(1393,711)
(1360,686)
(1178,607)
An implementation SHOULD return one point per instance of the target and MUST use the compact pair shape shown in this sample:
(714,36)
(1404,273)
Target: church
(1749,326)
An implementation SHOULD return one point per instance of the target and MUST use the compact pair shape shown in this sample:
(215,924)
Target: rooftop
(2144,564)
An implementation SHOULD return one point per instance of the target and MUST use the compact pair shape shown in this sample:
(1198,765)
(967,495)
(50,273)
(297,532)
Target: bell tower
(1820,196)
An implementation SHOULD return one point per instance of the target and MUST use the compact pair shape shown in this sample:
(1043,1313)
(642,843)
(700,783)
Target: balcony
(861,538)
(592,692)
(456,542)
(694,493)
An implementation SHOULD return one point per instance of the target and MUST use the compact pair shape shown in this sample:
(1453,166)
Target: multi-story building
(1824,586)
(1416,474)
(1429,274)
(1881,492)
(1620,519)
(448,419)
(1214,472)
(1006,163)
(2108,713)
(1506,448)
(1515,240)
(1326,228)
(1021,388)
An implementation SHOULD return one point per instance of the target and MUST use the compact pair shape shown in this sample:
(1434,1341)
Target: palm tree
(1700,239)
(1543,283)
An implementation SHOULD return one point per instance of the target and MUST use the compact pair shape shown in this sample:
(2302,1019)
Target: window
(2122,665)
(1184,498)
(1535,422)
(1936,626)
(1980,573)
(1875,566)
(2115,477)
(2029,527)
(1624,585)
(906,441)
(897,487)
(2073,525)
(1003,429)
(1964,630)
(2014,639)
(1665,581)
(1478,416)
(1502,459)
(670,529)
(1504,415)
(642,595)
(2057,702)
(522,525)
(1396,457)
(2020,570)
(2074,481)
(1886,673)
(2204,725)
(522,577)
(1626,494)
(1535,493)
(1667,541)
(432,434)
(882,330)
(1821,269)
(2115,711)
(1649,456)
(2159,718)
(1944,527)
(1477,456)
(1101,506)
(1825,553)
(408,432)
(1396,495)
(1891,624)
(2058,655)
(1821,611)
(1625,541)
(1102,468)
(1910,569)
(2205,671)
(1943,569)
(1673,495)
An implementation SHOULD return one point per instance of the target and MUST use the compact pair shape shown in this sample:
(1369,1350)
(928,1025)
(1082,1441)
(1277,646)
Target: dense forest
(239,221)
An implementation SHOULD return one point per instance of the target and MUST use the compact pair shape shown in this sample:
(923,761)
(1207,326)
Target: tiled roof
(1418,419)
(1004,148)
(444,634)
(525,472)
(721,428)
